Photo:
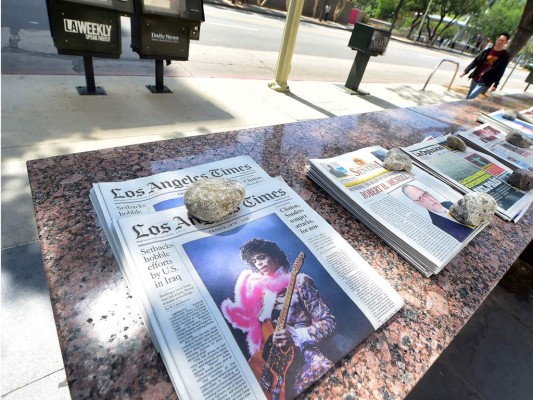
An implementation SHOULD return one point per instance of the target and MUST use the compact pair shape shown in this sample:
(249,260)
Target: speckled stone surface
(464,113)
(106,347)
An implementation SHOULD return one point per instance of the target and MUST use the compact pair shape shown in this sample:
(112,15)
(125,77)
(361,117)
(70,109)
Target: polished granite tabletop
(106,347)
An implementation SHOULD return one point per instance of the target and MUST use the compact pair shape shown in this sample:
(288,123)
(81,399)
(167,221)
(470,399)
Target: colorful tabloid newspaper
(408,210)
(258,305)
(491,139)
(497,119)
(473,171)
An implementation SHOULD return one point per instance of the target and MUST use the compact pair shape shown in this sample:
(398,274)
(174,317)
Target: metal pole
(91,88)
(508,76)
(287,46)
(89,74)
(159,76)
(356,72)
(423,19)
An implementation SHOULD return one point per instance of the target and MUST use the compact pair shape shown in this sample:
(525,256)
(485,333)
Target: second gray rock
(522,179)
(455,143)
(510,115)
(397,160)
(518,139)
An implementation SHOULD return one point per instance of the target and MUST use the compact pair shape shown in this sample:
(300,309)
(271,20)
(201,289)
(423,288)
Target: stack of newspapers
(472,171)
(523,122)
(491,139)
(408,210)
(207,306)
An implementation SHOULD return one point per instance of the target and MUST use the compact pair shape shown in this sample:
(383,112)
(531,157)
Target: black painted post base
(91,89)
(356,73)
(159,87)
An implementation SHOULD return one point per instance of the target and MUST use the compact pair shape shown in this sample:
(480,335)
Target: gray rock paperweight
(522,179)
(397,160)
(455,143)
(474,209)
(518,139)
(510,115)
(212,199)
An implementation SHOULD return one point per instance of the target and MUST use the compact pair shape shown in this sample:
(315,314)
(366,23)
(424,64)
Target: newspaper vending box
(87,28)
(367,41)
(162,30)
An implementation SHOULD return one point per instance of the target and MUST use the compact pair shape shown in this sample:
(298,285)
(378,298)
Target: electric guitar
(270,363)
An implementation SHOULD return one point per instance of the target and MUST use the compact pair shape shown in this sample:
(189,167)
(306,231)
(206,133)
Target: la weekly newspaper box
(87,28)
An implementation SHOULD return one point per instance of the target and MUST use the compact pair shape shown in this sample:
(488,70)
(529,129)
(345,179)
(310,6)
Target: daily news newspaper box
(89,28)
(162,29)
(368,41)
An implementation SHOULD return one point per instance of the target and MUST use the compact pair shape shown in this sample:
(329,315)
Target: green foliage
(385,9)
(503,16)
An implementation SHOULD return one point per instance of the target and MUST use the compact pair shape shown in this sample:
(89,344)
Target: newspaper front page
(473,171)
(215,290)
(409,210)
(157,193)
(496,118)
(491,139)
(165,190)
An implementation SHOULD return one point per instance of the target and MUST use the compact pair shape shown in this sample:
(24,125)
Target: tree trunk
(524,31)
(414,25)
(436,35)
(396,12)
(339,7)
(316,10)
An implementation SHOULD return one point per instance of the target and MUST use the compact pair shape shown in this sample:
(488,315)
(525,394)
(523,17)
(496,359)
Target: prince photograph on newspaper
(289,341)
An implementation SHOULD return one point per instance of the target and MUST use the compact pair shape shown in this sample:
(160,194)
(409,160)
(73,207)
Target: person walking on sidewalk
(488,66)
(327,10)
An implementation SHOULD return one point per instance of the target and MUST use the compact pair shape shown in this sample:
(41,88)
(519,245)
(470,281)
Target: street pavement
(43,116)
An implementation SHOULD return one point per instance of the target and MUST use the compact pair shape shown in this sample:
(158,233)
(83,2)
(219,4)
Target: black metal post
(91,88)
(356,73)
(159,73)
(89,74)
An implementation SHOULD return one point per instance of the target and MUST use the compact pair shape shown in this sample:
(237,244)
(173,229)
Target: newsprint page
(157,193)
(473,171)
(497,119)
(163,191)
(258,305)
(408,210)
(491,139)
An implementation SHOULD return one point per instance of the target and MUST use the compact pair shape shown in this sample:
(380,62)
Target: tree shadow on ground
(424,97)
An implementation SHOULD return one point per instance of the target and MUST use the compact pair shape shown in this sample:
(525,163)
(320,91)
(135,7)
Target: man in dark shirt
(488,67)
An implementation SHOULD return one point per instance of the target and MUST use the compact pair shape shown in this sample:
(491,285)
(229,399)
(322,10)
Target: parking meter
(87,28)
(367,41)
(162,30)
